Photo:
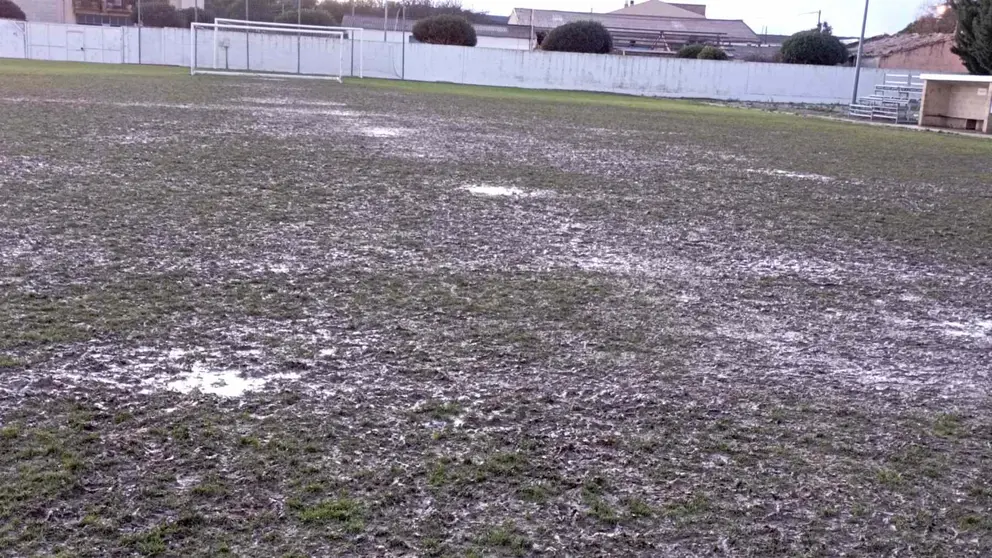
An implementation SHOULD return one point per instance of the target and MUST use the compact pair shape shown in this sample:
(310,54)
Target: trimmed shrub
(308,17)
(765,58)
(196,15)
(10,10)
(445,30)
(713,53)
(579,36)
(540,36)
(158,14)
(814,47)
(690,51)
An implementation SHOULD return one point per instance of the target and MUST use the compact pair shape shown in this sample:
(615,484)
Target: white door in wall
(12,39)
(75,46)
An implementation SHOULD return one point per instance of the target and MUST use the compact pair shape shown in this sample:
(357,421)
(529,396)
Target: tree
(690,51)
(935,16)
(10,10)
(445,30)
(158,14)
(815,47)
(258,10)
(196,15)
(268,10)
(973,39)
(713,53)
(579,36)
(308,17)
(415,9)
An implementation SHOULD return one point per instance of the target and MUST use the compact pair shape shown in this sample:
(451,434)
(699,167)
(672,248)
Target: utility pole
(299,38)
(819,18)
(385,21)
(861,51)
(533,35)
(247,41)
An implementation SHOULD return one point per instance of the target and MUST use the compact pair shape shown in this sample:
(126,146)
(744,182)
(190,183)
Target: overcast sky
(780,16)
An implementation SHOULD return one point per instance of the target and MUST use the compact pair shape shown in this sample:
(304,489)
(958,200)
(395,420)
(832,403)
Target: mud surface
(274,318)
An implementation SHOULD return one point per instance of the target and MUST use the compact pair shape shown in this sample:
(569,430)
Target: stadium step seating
(897,99)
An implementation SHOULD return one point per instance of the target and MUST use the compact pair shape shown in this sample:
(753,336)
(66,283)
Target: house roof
(374,23)
(891,44)
(729,30)
(494,19)
(694,8)
(773,39)
(657,8)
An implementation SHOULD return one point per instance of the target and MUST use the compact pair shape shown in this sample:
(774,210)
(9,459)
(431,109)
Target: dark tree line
(158,13)
(269,10)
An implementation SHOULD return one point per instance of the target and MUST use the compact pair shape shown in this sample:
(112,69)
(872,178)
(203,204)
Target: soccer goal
(255,48)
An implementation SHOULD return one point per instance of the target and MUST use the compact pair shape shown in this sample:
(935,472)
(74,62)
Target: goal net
(255,48)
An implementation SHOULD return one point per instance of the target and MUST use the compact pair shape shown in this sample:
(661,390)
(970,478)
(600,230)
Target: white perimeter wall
(658,77)
(637,75)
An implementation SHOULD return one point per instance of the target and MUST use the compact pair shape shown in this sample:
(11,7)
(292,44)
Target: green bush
(196,15)
(579,36)
(10,10)
(713,53)
(691,51)
(814,47)
(445,30)
(158,14)
(308,17)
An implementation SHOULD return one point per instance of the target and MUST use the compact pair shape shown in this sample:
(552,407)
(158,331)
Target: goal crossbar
(353,33)
(245,26)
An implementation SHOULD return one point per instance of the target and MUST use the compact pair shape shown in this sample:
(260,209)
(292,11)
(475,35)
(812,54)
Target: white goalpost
(280,49)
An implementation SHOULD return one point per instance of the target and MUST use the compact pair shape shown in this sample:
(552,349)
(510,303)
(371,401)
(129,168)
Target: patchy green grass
(345,511)
(7,361)
(948,426)
(14,67)
(637,507)
(687,509)
(440,410)
(536,493)
(504,539)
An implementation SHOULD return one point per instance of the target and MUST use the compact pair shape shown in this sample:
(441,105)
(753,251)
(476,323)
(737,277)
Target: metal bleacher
(644,42)
(896,99)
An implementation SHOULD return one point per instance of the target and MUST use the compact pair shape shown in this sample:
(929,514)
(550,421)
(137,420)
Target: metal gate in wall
(75,43)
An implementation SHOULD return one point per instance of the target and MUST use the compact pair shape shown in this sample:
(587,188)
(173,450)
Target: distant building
(657,8)
(48,11)
(114,13)
(910,51)
(648,34)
